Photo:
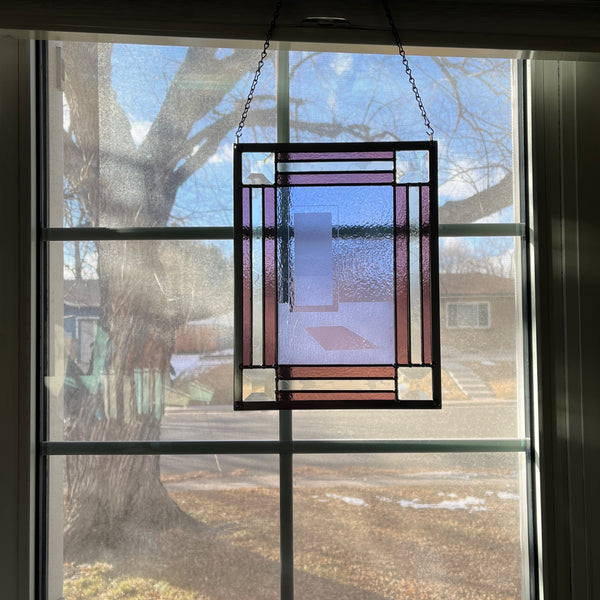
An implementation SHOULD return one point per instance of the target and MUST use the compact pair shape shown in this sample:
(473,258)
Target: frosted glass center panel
(336,286)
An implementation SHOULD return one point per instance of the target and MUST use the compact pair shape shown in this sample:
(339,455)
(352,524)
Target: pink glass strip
(426,274)
(246,279)
(402,276)
(387,155)
(358,372)
(337,396)
(333,178)
(270,280)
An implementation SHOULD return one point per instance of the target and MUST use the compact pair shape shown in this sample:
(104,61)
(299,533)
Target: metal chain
(261,62)
(428,128)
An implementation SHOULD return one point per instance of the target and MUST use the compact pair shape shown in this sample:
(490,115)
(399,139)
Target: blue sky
(469,106)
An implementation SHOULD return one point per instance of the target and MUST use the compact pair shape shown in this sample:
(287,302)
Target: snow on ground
(470,503)
(348,500)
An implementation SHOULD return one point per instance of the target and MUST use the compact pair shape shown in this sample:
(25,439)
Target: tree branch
(479,205)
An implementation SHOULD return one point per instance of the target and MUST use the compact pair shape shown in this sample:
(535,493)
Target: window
(474,315)
(152,483)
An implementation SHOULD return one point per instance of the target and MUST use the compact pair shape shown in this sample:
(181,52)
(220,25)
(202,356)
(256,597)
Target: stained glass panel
(336,246)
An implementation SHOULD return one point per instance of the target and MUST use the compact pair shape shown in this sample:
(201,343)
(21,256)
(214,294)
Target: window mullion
(482,229)
(286,459)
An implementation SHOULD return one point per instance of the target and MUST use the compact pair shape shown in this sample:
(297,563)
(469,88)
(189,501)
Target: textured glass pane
(187,527)
(340,274)
(256,278)
(416,333)
(411,526)
(270,286)
(142,348)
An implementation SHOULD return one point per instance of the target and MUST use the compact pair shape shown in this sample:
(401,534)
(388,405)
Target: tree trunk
(116,504)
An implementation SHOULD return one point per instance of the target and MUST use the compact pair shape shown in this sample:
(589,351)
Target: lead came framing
(336,273)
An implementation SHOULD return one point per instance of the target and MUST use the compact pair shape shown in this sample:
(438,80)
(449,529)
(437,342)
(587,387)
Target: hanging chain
(428,128)
(261,62)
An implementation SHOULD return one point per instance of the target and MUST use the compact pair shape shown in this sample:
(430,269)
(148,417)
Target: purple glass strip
(402,276)
(270,280)
(246,278)
(333,178)
(292,396)
(386,155)
(426,275)
(358,372)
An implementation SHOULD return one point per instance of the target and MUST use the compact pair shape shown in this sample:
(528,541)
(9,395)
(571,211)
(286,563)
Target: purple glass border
(345,396)
(426,327)
(270,277)
(350,156)
(246,278)
(402,276)
(334,178)
(349,372)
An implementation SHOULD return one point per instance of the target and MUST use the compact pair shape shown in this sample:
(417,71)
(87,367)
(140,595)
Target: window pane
(481,360)
(480,309)
(212,531)
(148,131)
(141,343)
(357,97)
(411,526)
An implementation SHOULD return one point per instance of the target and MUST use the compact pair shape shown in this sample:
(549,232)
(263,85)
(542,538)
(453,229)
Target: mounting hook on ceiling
(327,21)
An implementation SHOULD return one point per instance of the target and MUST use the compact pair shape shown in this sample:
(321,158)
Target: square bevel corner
(258,385)
(415,383)
(258,168)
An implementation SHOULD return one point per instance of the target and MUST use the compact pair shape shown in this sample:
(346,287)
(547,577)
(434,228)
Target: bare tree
(493,256)
(147,289)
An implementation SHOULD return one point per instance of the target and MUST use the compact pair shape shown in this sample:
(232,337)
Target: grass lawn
(422,540)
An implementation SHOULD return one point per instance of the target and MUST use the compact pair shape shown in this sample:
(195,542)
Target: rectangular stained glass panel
(348,274)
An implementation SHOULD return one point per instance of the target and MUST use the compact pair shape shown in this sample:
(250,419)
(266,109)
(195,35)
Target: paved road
(455,420)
